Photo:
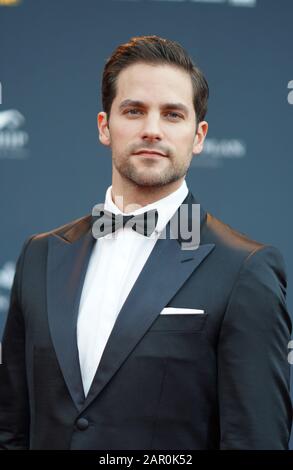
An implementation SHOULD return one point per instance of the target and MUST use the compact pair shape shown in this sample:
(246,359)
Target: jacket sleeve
(253,368)
(14,404)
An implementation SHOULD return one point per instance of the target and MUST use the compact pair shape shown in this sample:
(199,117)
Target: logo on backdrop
(233,3)
(11,119)
(6,280)
(290,94)
(13,138)
(290,355)
(217,151)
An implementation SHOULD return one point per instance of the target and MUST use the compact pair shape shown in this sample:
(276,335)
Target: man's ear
(104,133)
(202,130)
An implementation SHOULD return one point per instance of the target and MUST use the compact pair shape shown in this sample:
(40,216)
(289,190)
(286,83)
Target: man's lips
(150,153)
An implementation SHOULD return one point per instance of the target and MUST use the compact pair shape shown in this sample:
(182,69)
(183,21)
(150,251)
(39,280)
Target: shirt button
(82,424)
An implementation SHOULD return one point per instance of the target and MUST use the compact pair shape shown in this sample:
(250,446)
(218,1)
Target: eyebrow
(138,103)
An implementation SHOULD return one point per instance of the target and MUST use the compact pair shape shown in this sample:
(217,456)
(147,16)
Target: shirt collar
(165,206)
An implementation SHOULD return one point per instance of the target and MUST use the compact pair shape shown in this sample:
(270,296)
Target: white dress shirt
(115,264)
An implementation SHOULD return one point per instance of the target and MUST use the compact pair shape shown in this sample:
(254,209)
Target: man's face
(153,110)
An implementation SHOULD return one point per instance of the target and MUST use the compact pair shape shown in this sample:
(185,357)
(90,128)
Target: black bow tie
(105,222)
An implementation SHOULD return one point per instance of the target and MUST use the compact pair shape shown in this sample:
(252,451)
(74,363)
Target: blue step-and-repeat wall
(53,168)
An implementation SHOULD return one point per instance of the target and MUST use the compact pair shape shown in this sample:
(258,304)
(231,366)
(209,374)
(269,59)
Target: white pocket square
(172,310)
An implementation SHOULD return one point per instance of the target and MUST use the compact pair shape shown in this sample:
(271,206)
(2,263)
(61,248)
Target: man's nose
(151,128)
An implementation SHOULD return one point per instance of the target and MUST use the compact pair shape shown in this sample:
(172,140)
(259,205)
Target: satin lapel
(66,269)
(165,271)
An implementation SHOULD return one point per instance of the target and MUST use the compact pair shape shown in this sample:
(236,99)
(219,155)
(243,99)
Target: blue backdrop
(53,168)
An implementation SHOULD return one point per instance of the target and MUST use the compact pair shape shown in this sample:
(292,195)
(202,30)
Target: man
(128,341)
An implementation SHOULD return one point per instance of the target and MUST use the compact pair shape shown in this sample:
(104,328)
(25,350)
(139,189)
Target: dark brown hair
(153,50)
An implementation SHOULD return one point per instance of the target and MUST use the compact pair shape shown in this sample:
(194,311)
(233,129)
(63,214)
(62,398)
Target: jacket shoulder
(227,239)
(68,231)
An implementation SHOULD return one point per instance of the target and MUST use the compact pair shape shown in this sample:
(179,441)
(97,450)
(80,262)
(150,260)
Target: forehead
(154,83)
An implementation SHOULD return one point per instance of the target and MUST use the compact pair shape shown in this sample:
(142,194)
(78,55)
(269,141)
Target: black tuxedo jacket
(218,380)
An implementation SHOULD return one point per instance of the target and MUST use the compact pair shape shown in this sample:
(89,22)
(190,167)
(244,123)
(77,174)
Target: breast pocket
(179,322)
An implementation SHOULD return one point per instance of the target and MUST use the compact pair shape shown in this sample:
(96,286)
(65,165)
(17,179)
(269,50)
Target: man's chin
(151,181)
(148,182)
(148,177)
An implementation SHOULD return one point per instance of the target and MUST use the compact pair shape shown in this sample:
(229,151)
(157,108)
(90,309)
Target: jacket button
(82,424)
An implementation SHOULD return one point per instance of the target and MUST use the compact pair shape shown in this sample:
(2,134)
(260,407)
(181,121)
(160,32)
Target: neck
(127,194)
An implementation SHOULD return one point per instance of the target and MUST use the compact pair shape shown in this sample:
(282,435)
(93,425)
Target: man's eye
(133,111)
(174,115)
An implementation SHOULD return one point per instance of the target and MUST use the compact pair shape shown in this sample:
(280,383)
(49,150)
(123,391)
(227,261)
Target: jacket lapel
(66,269)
